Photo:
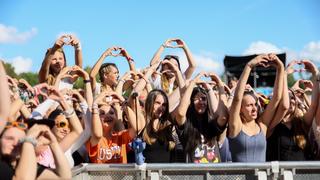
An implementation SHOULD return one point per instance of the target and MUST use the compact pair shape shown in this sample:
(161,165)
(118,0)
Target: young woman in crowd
(290,126)
(201,118)
(107,145)
(247,128)
(166,79)
(55,59)
(108,72)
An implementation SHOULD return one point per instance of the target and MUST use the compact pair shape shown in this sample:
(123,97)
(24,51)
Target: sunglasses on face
(19,125)
(62,124)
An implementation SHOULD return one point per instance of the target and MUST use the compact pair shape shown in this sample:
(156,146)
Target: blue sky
(211,29)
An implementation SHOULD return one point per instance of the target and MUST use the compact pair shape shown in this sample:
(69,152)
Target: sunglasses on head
(62,124)
(20,125)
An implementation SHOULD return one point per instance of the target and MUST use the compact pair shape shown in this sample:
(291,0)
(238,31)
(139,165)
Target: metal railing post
(275,169)
(287,175)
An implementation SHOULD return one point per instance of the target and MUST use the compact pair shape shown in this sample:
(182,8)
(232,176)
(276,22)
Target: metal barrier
(304,170)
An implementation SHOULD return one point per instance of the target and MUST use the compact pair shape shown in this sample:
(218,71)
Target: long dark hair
(196,124)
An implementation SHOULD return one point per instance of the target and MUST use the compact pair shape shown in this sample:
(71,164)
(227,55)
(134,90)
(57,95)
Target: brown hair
(164,132)
(298,126)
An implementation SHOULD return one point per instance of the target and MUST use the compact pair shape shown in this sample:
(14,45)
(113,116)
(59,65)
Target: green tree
(30,77)
(79,83)
(10,70)
(291,80)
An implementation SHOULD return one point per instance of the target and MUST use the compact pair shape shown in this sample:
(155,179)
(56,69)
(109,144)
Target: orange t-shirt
(112,150)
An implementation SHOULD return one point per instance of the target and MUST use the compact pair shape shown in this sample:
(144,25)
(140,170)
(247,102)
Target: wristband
(31,140)
(86,81)
(95,106)
(69,113)
(78,46)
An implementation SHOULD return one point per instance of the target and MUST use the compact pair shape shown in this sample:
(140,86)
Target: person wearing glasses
(18,149)
(247,129)
(66,125)
(201,117)
(55,59)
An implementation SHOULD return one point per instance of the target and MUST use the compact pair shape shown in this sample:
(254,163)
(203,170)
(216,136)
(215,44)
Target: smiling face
(9,141)
(200,102)
(61,128)
(108,117)
(249,108)
(57,62)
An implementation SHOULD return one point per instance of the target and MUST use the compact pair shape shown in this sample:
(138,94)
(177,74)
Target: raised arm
(63,170)
(282,108)
(269,112)
(234,121)
(221,109)
(95,69)
(45,67)
(87,86)
(5,98)
(144,80)
(135,115)
(74,41)
(124,53)
(156,57)
(97,131)
(27,166)
(309,115)
(76,127)
(192,63)
(181,111)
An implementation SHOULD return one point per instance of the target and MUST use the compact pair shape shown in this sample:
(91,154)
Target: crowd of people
(181,117)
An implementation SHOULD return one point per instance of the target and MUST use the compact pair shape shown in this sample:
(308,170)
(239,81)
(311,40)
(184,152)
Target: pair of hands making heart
(117,51)
(67,39)
(303,66)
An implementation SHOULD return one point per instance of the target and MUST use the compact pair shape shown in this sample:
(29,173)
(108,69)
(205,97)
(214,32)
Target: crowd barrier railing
(304,170)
